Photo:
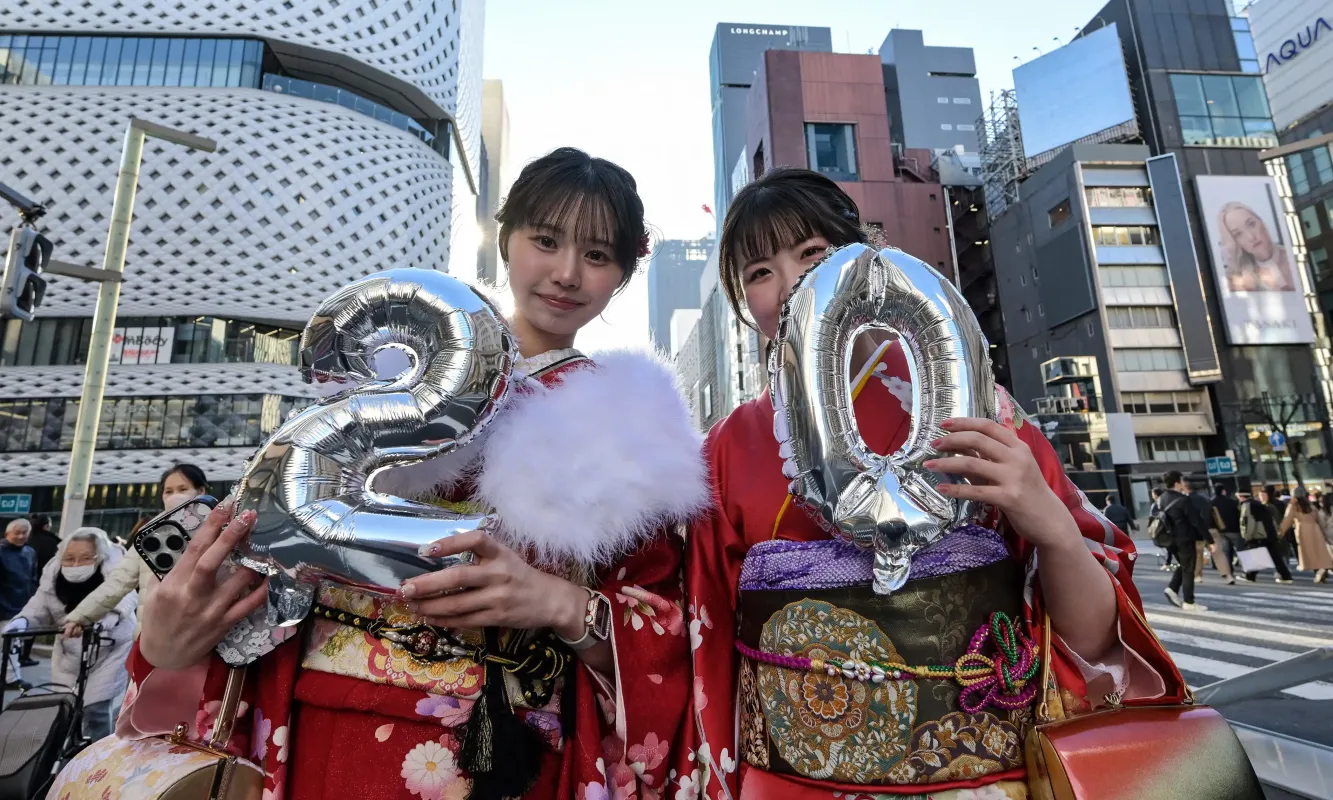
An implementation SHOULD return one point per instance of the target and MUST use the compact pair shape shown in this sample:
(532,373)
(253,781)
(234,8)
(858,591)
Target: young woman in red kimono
(808,729)
(590,469)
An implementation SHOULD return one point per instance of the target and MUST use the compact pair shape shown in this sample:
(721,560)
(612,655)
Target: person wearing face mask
(179,484)
(83,565)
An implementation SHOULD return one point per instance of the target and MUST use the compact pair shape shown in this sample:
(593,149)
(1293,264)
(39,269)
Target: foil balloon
(311,484)
(884,503)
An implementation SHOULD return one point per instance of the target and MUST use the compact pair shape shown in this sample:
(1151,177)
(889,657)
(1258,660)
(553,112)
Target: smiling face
(1250,233)
(560,282)
(767,281)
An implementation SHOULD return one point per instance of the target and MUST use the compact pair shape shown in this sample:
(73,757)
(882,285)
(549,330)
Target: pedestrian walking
(84,561)
(1185,526)
(45,543)
(1229,540)
(1119,515)
(1312,548)
(1259,530)
(1154,511)
(1207,548)
(18,581)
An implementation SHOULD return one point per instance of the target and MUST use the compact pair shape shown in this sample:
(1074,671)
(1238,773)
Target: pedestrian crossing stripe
(1268,597)
(1222,646)
(1212,622)
(1223,670)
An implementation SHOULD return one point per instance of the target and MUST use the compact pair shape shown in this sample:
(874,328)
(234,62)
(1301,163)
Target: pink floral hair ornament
(645,247)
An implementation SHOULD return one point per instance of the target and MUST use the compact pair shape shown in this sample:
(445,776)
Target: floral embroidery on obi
(344,650)
(825,726)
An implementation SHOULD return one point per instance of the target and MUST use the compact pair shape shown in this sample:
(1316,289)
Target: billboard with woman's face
(1258,279)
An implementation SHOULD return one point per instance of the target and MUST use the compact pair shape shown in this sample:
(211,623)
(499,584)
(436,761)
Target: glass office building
(345,146)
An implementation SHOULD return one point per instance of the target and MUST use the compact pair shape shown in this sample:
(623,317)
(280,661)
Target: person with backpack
(1260,530)
(1180,523)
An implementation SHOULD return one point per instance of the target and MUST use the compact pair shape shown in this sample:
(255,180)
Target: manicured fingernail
(428,549)
(248,516)
(936,443)
(948,423)
(408,590)
(944,488)
(414,608)
(930,464)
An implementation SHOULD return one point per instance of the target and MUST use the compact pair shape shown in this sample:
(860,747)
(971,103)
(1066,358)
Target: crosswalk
(1246,627)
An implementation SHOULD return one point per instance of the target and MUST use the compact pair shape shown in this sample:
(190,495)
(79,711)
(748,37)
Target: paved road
(1248,626)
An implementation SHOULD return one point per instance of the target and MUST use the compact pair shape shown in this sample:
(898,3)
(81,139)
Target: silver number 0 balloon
(887,504)
(311,483)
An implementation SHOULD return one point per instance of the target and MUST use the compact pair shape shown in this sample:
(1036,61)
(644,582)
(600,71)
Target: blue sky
(628,80)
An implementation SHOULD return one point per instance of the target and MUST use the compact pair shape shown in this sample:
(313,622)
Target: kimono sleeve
(627,727)
(715,551)
(1139,666)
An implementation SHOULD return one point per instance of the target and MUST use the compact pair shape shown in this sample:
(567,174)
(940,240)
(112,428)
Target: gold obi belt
(932,684)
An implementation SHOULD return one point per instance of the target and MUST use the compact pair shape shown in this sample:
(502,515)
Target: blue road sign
(15,503)
(1277,441)
(1221,465)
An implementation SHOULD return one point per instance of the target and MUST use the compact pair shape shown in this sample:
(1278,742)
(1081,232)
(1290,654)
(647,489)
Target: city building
(732,63)
(1294,44)
(673,284)
(495,178)
(1085,261)
(1204,336)
(932,93)
(348,142)
(826,112)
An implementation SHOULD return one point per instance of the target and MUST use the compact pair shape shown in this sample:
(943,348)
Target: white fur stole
(588,469)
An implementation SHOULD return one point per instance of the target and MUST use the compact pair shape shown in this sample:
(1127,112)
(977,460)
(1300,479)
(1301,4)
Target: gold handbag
(1168,751)
(166,767)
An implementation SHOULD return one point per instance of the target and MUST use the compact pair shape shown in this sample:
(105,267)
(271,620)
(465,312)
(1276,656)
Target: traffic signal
(24,286)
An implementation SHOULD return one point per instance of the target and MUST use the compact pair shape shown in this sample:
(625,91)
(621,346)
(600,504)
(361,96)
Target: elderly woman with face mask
(81,566)
(180,483)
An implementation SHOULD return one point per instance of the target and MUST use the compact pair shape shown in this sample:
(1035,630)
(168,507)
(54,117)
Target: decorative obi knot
(1002,680)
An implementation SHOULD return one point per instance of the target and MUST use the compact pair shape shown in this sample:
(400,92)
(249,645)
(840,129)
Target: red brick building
(829,109)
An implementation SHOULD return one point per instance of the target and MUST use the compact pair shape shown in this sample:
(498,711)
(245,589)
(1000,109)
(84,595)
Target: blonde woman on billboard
(1255,263)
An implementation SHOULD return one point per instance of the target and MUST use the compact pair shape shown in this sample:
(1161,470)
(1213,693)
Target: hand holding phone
(197,604)
(162,541)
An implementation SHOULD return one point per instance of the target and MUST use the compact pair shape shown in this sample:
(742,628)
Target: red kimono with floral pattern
(334,712)
(750,507)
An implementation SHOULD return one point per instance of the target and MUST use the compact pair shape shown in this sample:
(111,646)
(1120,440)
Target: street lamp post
(104,318)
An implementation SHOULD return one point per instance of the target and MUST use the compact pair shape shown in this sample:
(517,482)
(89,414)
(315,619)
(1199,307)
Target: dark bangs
(584,198)
(777,211)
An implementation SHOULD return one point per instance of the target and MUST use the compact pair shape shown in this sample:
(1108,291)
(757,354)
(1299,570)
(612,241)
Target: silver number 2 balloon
(887,504)
(310,485)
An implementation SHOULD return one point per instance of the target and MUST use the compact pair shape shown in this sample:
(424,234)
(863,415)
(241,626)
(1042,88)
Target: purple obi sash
(832,564)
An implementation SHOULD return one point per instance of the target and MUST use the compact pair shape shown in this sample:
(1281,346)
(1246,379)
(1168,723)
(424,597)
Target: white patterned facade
(301,197)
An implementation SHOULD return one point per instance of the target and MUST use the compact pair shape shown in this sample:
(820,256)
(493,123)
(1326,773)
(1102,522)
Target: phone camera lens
(175,543)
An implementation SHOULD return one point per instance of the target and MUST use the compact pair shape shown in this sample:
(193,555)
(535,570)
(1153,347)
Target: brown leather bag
(1140,752)
(168,767)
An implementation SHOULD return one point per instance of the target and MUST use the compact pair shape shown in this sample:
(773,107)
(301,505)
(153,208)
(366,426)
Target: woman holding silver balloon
(927,684)
(554,664)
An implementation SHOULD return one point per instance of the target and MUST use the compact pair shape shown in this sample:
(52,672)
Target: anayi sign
(1293,47)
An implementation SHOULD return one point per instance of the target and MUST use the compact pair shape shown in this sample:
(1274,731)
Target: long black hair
(589,199)
(782,208)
